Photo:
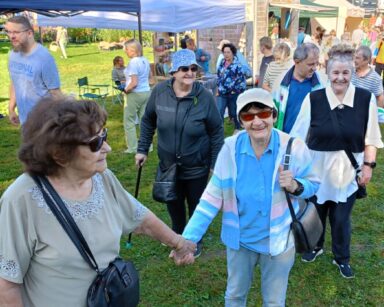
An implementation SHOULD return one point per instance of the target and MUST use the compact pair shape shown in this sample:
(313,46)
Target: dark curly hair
(53,131)
(230,46)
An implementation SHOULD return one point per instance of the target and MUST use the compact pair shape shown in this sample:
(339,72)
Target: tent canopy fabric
(160,16)
(304,5)
(352,10)
(307,8)
(132,6)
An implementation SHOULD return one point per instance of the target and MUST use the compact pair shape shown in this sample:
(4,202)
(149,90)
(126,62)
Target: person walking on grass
(32,70)
(137,75)
(335,120)
(189,133)
(248,184)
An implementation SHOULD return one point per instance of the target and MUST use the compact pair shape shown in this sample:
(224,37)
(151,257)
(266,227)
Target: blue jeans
(274,276)
(229,101)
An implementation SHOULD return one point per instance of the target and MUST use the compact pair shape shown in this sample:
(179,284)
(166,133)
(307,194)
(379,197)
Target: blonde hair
(281,52)
(132,43)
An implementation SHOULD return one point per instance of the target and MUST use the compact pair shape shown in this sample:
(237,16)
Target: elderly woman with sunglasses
(247,185)
(66,142)
(189,133)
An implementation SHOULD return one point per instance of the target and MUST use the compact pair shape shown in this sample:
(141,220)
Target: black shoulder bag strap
(286,162)
(65,219)
(349,153)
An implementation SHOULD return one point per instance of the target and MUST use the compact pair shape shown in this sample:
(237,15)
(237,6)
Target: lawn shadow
(83,54)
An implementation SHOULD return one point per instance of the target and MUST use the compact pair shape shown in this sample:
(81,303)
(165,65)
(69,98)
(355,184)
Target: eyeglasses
(247,117)
(96,143)
(15,32)
(193,68)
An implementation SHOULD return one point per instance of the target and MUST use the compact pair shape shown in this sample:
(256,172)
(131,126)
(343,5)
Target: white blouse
(334,167)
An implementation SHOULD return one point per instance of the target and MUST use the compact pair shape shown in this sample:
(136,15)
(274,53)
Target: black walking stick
(128,244)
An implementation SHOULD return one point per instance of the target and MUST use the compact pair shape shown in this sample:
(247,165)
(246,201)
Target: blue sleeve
(50,74)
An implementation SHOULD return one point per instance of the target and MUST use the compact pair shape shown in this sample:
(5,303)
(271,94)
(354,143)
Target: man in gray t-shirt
(365,77)
(32,70)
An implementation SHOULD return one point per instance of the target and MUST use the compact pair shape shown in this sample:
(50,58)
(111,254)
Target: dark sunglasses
(247,117)
(96,143)
(193,68)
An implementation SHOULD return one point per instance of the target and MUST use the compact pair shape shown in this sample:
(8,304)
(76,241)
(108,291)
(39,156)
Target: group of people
(243,176)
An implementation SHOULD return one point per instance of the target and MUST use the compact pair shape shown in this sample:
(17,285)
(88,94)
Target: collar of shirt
(347,100)
(246,146)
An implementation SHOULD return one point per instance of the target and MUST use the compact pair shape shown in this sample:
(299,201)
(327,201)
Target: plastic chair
(97,92)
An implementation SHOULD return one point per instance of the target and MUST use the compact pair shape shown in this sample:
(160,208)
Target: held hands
(286,180)
(183,253)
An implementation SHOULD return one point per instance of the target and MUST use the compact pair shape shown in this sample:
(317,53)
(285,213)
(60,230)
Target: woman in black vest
(338,119)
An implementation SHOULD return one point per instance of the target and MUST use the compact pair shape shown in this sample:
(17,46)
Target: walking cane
(128,244)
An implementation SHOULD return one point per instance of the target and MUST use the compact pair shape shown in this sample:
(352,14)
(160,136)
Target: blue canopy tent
(56,8)
(159,16)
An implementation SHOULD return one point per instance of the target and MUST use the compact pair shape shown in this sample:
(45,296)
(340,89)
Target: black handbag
(115,286)
(361,189)
(164,188)
(165,185)
(306,226)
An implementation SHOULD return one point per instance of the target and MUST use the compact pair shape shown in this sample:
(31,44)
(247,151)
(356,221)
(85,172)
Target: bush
(81,35)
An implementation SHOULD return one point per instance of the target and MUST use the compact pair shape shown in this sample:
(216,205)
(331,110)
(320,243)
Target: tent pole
(140,29)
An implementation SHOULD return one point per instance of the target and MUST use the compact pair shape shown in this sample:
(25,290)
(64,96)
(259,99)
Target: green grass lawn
(203,284)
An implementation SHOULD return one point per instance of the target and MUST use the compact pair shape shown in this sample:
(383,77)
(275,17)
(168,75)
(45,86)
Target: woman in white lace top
(39,265)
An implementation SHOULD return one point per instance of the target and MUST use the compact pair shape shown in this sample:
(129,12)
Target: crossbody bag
(115,286)
(306,226)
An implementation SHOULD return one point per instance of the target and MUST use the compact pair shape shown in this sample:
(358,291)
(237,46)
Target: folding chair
(97,92)
(117,94)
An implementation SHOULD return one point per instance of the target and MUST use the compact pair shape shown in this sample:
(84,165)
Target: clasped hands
(183,253)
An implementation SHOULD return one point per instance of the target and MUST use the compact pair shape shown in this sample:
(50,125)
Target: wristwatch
(370,164)
(299,190)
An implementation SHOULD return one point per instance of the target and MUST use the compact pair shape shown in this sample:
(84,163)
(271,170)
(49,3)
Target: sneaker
(311,256)
(345,269)
(199,246)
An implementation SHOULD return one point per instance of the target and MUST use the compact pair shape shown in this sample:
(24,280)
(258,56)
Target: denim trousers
(340,220)
(274,276)
(224,101)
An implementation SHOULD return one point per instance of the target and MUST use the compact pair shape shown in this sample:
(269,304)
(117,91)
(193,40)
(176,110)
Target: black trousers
(189,190)
(340,221)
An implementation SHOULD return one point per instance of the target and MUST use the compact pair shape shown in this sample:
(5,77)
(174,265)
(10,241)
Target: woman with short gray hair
(341,128)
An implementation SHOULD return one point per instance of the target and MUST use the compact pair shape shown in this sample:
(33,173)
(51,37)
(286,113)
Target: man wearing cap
(248,184)
(295,84)
(189,133)
(202,57)
(239,56)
